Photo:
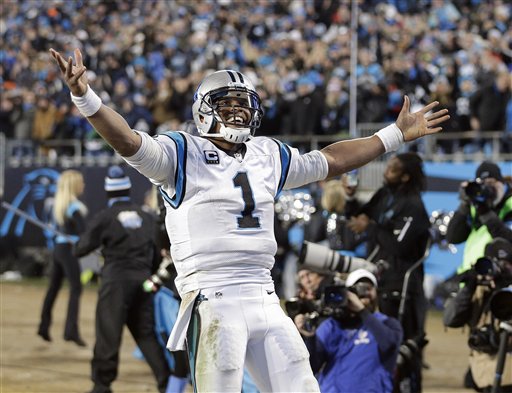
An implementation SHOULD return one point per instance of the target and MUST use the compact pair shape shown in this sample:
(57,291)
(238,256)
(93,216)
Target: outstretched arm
(347,155)
(107,122)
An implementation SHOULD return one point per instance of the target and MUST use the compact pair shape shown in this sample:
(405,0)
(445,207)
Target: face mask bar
(249,102)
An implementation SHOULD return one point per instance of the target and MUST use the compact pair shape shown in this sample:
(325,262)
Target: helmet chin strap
(227,133)
(240,136)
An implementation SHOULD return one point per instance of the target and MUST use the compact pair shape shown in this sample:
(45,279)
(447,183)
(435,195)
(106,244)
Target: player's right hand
(74,74)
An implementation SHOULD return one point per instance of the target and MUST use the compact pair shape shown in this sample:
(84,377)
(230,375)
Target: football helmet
(227,97)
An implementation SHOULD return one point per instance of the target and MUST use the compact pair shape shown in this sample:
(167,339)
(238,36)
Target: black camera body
(332,303)
(478,192)
(484,339)
(487,270)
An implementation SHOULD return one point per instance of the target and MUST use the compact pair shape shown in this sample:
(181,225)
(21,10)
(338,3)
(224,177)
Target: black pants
(120,303)
(65,265)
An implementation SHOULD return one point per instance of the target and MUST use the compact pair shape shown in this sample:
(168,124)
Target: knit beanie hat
(116,180)
(489,169)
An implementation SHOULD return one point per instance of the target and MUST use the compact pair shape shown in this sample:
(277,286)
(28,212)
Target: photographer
(484,213)
(471,306)
(356,348)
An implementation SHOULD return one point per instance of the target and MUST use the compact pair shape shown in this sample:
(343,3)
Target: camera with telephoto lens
(478,192)
(320,257)
(163,274)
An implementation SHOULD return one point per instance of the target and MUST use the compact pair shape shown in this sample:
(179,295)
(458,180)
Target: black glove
(470,279)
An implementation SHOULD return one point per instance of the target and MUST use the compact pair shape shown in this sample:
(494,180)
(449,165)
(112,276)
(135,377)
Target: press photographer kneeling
(473,306)
(353,347)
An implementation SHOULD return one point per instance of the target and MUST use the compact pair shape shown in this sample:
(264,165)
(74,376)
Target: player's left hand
(420,123)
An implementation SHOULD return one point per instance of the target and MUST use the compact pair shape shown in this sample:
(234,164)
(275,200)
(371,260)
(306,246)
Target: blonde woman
(69,216)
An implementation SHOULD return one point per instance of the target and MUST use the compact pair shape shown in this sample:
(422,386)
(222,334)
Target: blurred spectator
(305,110)
(44,123)
(22,117)
(488,105)
(507,137)
(335,116)
(403,47)
(350,182)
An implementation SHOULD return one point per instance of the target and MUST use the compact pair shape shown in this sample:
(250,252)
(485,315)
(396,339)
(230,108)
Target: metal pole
(353,64)
(502,353)
(33,220)
(3,160)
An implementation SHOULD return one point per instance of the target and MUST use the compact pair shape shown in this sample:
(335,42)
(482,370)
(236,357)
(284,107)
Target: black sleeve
(78,222)
(90,239)
(496,226)
(459,227)
(474,101)
(457,309)
(317,353)
(388,334)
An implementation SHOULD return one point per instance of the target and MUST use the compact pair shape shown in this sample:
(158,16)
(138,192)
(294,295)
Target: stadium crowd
(146,57)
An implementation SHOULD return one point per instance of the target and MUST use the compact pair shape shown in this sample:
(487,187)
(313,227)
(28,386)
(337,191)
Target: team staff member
(482,218)
(219,188)
(126,234)
(397,227)
(69,215)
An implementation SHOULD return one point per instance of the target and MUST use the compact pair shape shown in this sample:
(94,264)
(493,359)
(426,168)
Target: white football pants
(245,324)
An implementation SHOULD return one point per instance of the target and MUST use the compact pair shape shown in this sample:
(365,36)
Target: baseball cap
(489,169)
(359,274)
(116,179)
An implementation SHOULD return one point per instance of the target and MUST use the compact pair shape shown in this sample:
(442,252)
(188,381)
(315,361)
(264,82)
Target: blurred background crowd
(147,57)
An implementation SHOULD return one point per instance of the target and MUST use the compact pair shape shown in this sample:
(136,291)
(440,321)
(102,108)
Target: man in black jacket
(126,234)
(397,227)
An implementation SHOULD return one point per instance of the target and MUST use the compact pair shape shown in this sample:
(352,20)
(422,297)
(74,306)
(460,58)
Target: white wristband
(391,137)
(89,103)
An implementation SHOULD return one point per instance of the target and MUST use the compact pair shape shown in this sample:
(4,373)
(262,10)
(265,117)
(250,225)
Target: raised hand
(74,74)
(420,123)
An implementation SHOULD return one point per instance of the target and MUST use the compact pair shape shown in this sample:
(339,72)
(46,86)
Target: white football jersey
(220,208)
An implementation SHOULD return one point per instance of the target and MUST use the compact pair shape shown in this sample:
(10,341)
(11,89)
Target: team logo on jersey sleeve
(211,156)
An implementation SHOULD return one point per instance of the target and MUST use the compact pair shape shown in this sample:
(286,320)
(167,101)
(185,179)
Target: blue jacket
(356,360)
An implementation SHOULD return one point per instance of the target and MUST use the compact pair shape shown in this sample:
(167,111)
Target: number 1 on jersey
(247,220)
